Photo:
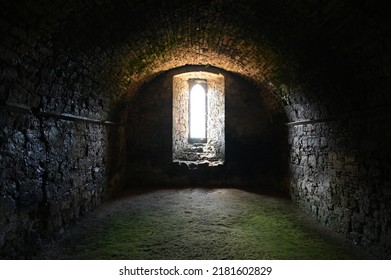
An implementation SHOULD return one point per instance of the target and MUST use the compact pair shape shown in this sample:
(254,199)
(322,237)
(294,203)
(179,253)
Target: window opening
(198,118)
(197,111)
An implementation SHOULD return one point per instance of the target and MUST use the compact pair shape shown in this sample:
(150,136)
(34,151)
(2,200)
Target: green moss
(223,227)
(284,237)
(122,238)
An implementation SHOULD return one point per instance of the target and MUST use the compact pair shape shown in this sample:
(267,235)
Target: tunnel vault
(75,73)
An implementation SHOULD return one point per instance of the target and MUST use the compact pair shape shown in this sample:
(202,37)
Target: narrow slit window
(198,118)
(198,111)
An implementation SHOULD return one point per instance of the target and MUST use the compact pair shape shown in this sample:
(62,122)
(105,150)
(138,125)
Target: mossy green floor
(200,224)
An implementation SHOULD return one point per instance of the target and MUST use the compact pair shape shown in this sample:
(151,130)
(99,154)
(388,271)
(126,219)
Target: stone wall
(212,152)
(54,137)
(53,171)
(339,164)
(63,65)
(255,138)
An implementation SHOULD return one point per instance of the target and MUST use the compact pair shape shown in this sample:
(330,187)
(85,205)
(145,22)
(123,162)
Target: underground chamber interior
(100,99)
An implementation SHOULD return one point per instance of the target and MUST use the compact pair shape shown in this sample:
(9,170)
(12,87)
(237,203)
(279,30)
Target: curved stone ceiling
(274,43)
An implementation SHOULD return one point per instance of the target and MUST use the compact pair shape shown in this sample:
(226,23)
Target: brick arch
(246,63)
(135,40)
(273,41)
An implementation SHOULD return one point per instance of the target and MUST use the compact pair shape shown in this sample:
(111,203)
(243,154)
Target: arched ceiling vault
(279,44)
(146,39)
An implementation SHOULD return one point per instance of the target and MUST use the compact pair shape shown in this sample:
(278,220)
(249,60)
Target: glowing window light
(197,112)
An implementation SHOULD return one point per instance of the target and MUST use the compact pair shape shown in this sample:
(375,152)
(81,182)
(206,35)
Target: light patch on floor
(197,223)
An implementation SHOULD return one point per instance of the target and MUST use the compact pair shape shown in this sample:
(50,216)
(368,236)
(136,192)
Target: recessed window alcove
(198,118)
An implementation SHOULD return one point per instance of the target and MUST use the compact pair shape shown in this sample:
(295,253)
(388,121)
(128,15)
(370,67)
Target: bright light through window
(197,112)
(198,118)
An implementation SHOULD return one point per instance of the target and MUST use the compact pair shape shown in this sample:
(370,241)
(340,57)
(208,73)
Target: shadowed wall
(73,72)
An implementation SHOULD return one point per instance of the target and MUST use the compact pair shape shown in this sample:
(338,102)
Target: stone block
(7,208)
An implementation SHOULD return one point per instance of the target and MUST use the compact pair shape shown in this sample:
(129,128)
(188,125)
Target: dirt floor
(198,223)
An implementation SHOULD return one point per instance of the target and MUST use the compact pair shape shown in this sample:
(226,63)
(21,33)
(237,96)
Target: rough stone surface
(326,61)
(53,153)
(201,224)
(254,135)
(52,171)
(212,152)
(339,177)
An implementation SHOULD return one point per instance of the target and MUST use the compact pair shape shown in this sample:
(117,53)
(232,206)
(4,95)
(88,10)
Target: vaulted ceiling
(280,44)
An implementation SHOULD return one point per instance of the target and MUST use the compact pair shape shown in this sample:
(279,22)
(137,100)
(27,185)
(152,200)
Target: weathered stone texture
(326,61)
(53,148)
(52,172)
(254,134)
(341,178)
(213,151)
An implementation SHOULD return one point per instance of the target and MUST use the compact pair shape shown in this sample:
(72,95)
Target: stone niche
(249,149)
(212,150)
